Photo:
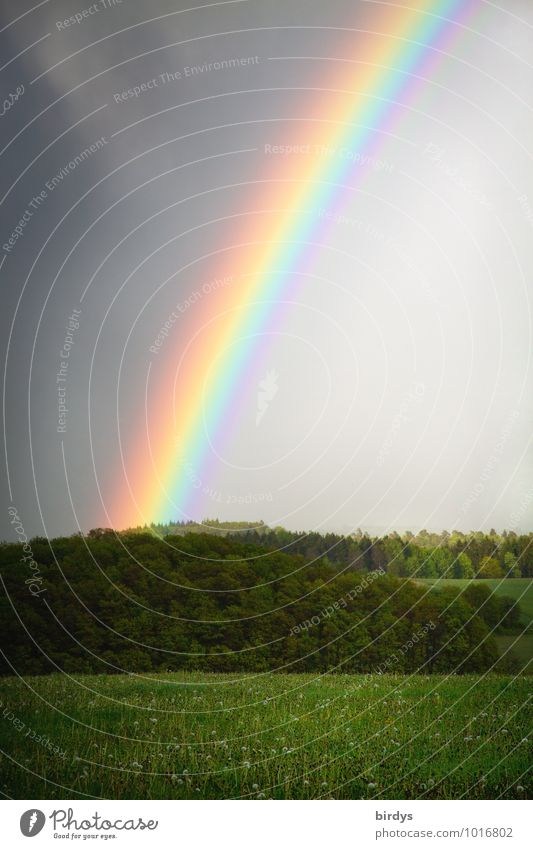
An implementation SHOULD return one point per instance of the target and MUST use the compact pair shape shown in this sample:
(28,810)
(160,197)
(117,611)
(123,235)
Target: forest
(249,601)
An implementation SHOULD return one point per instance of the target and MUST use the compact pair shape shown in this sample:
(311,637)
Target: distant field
(521,647)
(193,736)
(521,589)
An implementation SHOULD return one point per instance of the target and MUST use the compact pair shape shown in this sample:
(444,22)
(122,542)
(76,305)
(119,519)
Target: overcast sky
(394,391)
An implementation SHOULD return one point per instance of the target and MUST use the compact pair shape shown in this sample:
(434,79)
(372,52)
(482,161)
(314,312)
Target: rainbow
(356,111)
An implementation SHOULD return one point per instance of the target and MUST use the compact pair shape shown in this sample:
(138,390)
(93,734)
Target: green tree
(462,567)
(489,568)
(510,565)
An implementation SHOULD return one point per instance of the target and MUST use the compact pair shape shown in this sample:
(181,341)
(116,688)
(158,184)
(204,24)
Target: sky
(267,261)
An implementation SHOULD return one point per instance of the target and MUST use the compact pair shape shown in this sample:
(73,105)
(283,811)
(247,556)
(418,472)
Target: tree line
(424,555)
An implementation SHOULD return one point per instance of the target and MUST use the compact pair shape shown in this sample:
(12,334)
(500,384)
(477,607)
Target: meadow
(191,735)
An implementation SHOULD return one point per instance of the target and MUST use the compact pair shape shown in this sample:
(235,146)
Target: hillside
(108,603)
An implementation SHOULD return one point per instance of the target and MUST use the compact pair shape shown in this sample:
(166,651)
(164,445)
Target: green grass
(520,589)
(200,736)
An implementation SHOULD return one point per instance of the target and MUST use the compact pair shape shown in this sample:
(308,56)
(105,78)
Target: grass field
(520,589)
(266,736)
